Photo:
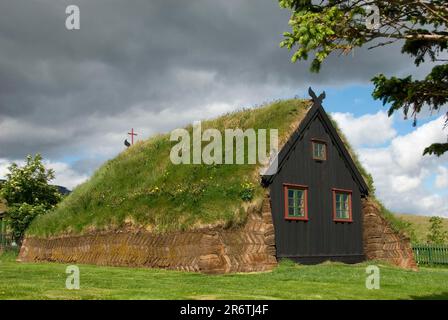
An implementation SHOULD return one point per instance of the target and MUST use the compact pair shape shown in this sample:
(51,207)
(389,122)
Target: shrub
(247,191)
(28,194)
(436,234)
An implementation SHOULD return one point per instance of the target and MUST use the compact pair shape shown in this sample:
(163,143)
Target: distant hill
(63,190)
(421,225)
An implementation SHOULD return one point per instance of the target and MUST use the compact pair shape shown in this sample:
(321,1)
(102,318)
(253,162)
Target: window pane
(342,205)
(296,203)
(290,193)
(319,150)
(299,203)
(296,211)
(338,197)
(315,150)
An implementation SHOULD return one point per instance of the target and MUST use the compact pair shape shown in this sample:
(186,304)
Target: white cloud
(408,149)
(65,175)
(400,171)
(367,130)
(442,177)
(4,164)
(404,183)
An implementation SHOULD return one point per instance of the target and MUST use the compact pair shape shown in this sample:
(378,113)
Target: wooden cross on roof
(132,134)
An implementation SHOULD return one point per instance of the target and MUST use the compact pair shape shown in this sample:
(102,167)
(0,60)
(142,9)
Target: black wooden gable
(317,111)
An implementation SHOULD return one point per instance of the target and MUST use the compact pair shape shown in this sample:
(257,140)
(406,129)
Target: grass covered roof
(142,189)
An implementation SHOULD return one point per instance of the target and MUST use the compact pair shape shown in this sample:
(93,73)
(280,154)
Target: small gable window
(342,205)
(319,150)
(296,197)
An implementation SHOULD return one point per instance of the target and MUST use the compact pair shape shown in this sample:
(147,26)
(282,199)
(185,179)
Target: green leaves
(247,191)
(436,233)
(436,148)
(421,48)
(315,30)
(339,26)
(20,217)
(412,95)
(28,193)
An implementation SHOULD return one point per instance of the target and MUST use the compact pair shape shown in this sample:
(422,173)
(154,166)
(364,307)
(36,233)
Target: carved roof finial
(316,99)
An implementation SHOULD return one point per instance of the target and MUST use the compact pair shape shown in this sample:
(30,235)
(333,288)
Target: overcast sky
(156,65)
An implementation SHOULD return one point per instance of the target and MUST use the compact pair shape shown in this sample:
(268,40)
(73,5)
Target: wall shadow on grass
(439,296)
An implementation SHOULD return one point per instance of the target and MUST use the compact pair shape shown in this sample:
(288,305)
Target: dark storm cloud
(67,92)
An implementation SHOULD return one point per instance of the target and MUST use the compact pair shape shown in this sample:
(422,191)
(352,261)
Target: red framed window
(342,205)
(319,149)
(296,201)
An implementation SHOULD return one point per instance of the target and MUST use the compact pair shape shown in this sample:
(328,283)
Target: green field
(288,281)
(420,225)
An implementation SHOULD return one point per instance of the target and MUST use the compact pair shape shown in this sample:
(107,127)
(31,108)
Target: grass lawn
(288,281)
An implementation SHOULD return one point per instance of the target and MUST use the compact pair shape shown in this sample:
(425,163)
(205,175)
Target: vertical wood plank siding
(320,238)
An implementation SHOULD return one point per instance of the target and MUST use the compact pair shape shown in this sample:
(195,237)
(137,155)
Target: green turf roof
(141,188)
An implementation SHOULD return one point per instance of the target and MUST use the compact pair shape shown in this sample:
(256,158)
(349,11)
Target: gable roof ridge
(343,149)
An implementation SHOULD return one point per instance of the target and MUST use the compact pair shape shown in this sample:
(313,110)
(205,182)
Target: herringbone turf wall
(244,249)
(381,242)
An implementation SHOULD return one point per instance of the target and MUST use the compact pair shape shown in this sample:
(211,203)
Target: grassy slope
(142,188)
(288,281)
(421,225)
